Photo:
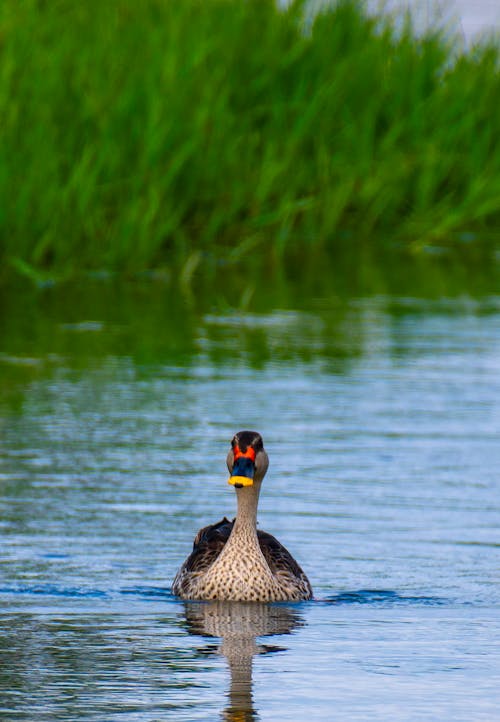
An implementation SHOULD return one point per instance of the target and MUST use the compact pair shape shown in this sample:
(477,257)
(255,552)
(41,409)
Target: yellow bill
(240,481)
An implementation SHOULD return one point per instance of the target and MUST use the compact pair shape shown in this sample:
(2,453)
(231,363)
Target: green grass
(183,135)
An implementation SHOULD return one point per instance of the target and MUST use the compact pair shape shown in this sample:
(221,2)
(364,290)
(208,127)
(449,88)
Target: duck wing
(208,544)
(281,562)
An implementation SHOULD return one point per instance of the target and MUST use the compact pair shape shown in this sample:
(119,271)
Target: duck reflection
(239,624)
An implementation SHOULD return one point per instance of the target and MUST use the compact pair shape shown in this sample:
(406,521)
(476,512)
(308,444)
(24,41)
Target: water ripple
(382,597)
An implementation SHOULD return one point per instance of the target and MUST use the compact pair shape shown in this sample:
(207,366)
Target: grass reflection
(154,325)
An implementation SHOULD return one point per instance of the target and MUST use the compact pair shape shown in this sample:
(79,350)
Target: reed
(186,135)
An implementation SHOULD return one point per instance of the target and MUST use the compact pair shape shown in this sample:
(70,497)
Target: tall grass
(188,134)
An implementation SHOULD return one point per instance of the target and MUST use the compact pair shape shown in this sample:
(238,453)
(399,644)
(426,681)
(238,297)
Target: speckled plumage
(236,562)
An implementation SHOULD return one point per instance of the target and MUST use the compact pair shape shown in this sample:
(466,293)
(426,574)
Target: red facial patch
(248,454)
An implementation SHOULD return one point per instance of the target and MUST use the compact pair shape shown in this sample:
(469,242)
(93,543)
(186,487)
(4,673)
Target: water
(381,420)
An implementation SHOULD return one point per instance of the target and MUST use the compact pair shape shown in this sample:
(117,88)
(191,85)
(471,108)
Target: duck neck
(246,515)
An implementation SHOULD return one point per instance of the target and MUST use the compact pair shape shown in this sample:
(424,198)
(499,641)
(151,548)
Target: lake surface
(381,419)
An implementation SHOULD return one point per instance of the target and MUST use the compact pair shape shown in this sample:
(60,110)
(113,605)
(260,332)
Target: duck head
(247,459)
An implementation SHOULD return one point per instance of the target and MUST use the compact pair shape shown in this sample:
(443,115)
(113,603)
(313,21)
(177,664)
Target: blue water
(381,421)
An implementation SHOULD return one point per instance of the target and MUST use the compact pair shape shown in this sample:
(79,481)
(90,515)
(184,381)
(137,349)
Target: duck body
(208,573)
(232,560)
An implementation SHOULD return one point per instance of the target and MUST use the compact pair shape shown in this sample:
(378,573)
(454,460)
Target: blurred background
(473,18)
(222,215)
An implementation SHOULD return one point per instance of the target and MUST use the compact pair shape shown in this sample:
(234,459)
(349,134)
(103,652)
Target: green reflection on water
(306,315)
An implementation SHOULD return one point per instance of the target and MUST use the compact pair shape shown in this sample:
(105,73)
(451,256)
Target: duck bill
(239,481)
(243,473)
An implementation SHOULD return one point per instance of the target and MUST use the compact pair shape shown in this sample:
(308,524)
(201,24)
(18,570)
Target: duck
(233,560)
